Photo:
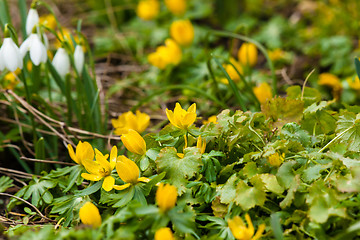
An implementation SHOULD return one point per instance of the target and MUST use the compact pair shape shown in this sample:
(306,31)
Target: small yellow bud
(89,215)
(276,159)
(177,7)
(166,55)
(182,31)
(148,9)
(164,234)
(247,54)
(166,196)
(332,81)
(263,92)
(134,142)
(127,170)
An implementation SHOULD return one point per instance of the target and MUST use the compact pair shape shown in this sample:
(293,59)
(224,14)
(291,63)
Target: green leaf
(357,66)
(294,184)
(89,190)
(283,110)
(271,183)
(348,130)
(314,172)
(5,183)
(38,191)
(179,170)
(311,95)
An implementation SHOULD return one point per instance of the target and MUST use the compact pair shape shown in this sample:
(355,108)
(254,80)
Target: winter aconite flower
(166,196)
(241,232)
(37,49)
(247,54)
(276,159)
(10,57)
(101,168)
(148,9)
(134,142)
(61,62)
(84,151)
(164,234)
(89,215)
(233,73)
(31,20)
(10,80)
(138,122)
(48,21)
(79,58)
(182,31)
(354,83)
(211,119)
(263,92)
(332,81)
(166,55)
(129,172)
(181,118)
(177,7)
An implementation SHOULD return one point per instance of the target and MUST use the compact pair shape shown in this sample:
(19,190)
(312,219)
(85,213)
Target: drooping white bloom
(2,64)
(36,48)
(61,62)
(10,55)
(79,58)
(31,20)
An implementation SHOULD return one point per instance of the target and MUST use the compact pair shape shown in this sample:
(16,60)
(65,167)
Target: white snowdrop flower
(79,58)
(2,64)
(61,62)
(31,20)
(36,48)
(10,55)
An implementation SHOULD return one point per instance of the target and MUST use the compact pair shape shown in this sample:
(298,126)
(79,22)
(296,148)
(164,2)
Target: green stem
(334,139)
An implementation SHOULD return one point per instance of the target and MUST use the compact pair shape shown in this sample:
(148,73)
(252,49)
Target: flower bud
(182,31)
(134,142)
(247,54)
(89,215)
(164,234)
(166,196)
(31,20)
(127,170)
(79,58)
(10,55)
(177,7)
(61,62)
(148,9)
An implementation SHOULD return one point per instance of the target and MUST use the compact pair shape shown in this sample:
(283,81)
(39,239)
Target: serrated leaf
(348,130)
(283,110)
(312,173)
(179,170)
(294,184)
(271,183)
(293,132)
(285,174)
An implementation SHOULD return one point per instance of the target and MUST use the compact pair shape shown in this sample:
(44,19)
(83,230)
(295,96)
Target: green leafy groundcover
(311,190)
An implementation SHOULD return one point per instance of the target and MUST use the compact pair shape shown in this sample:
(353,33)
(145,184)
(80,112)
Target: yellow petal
(102,160)
(164,234)
(72,154)
(259,232)
(170,116)
(122,187)
(92,167)
(91,177)
(192,108)
(166,196)
(144,179)
(113,157)
(84,151)
(188,119)
(89,215)
(134,142)
(108,183)
(127,170)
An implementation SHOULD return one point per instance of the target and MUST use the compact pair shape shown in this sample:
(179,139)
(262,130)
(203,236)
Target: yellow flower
(48,21)
(164,234)
(232,71)
(332,81)
(247,54)
(211,119)
(276,54)
(84,151)
(354,83)
(129,172)
(134,142)
(129,120)
(263,92)
(166,196)
(10,80)
(177,7)
(89,215)
(182,31)
(241,232)
(166,55)
(181,118)
(65,37)
(276,159)
(101,168)
(148,9)
(201,144)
